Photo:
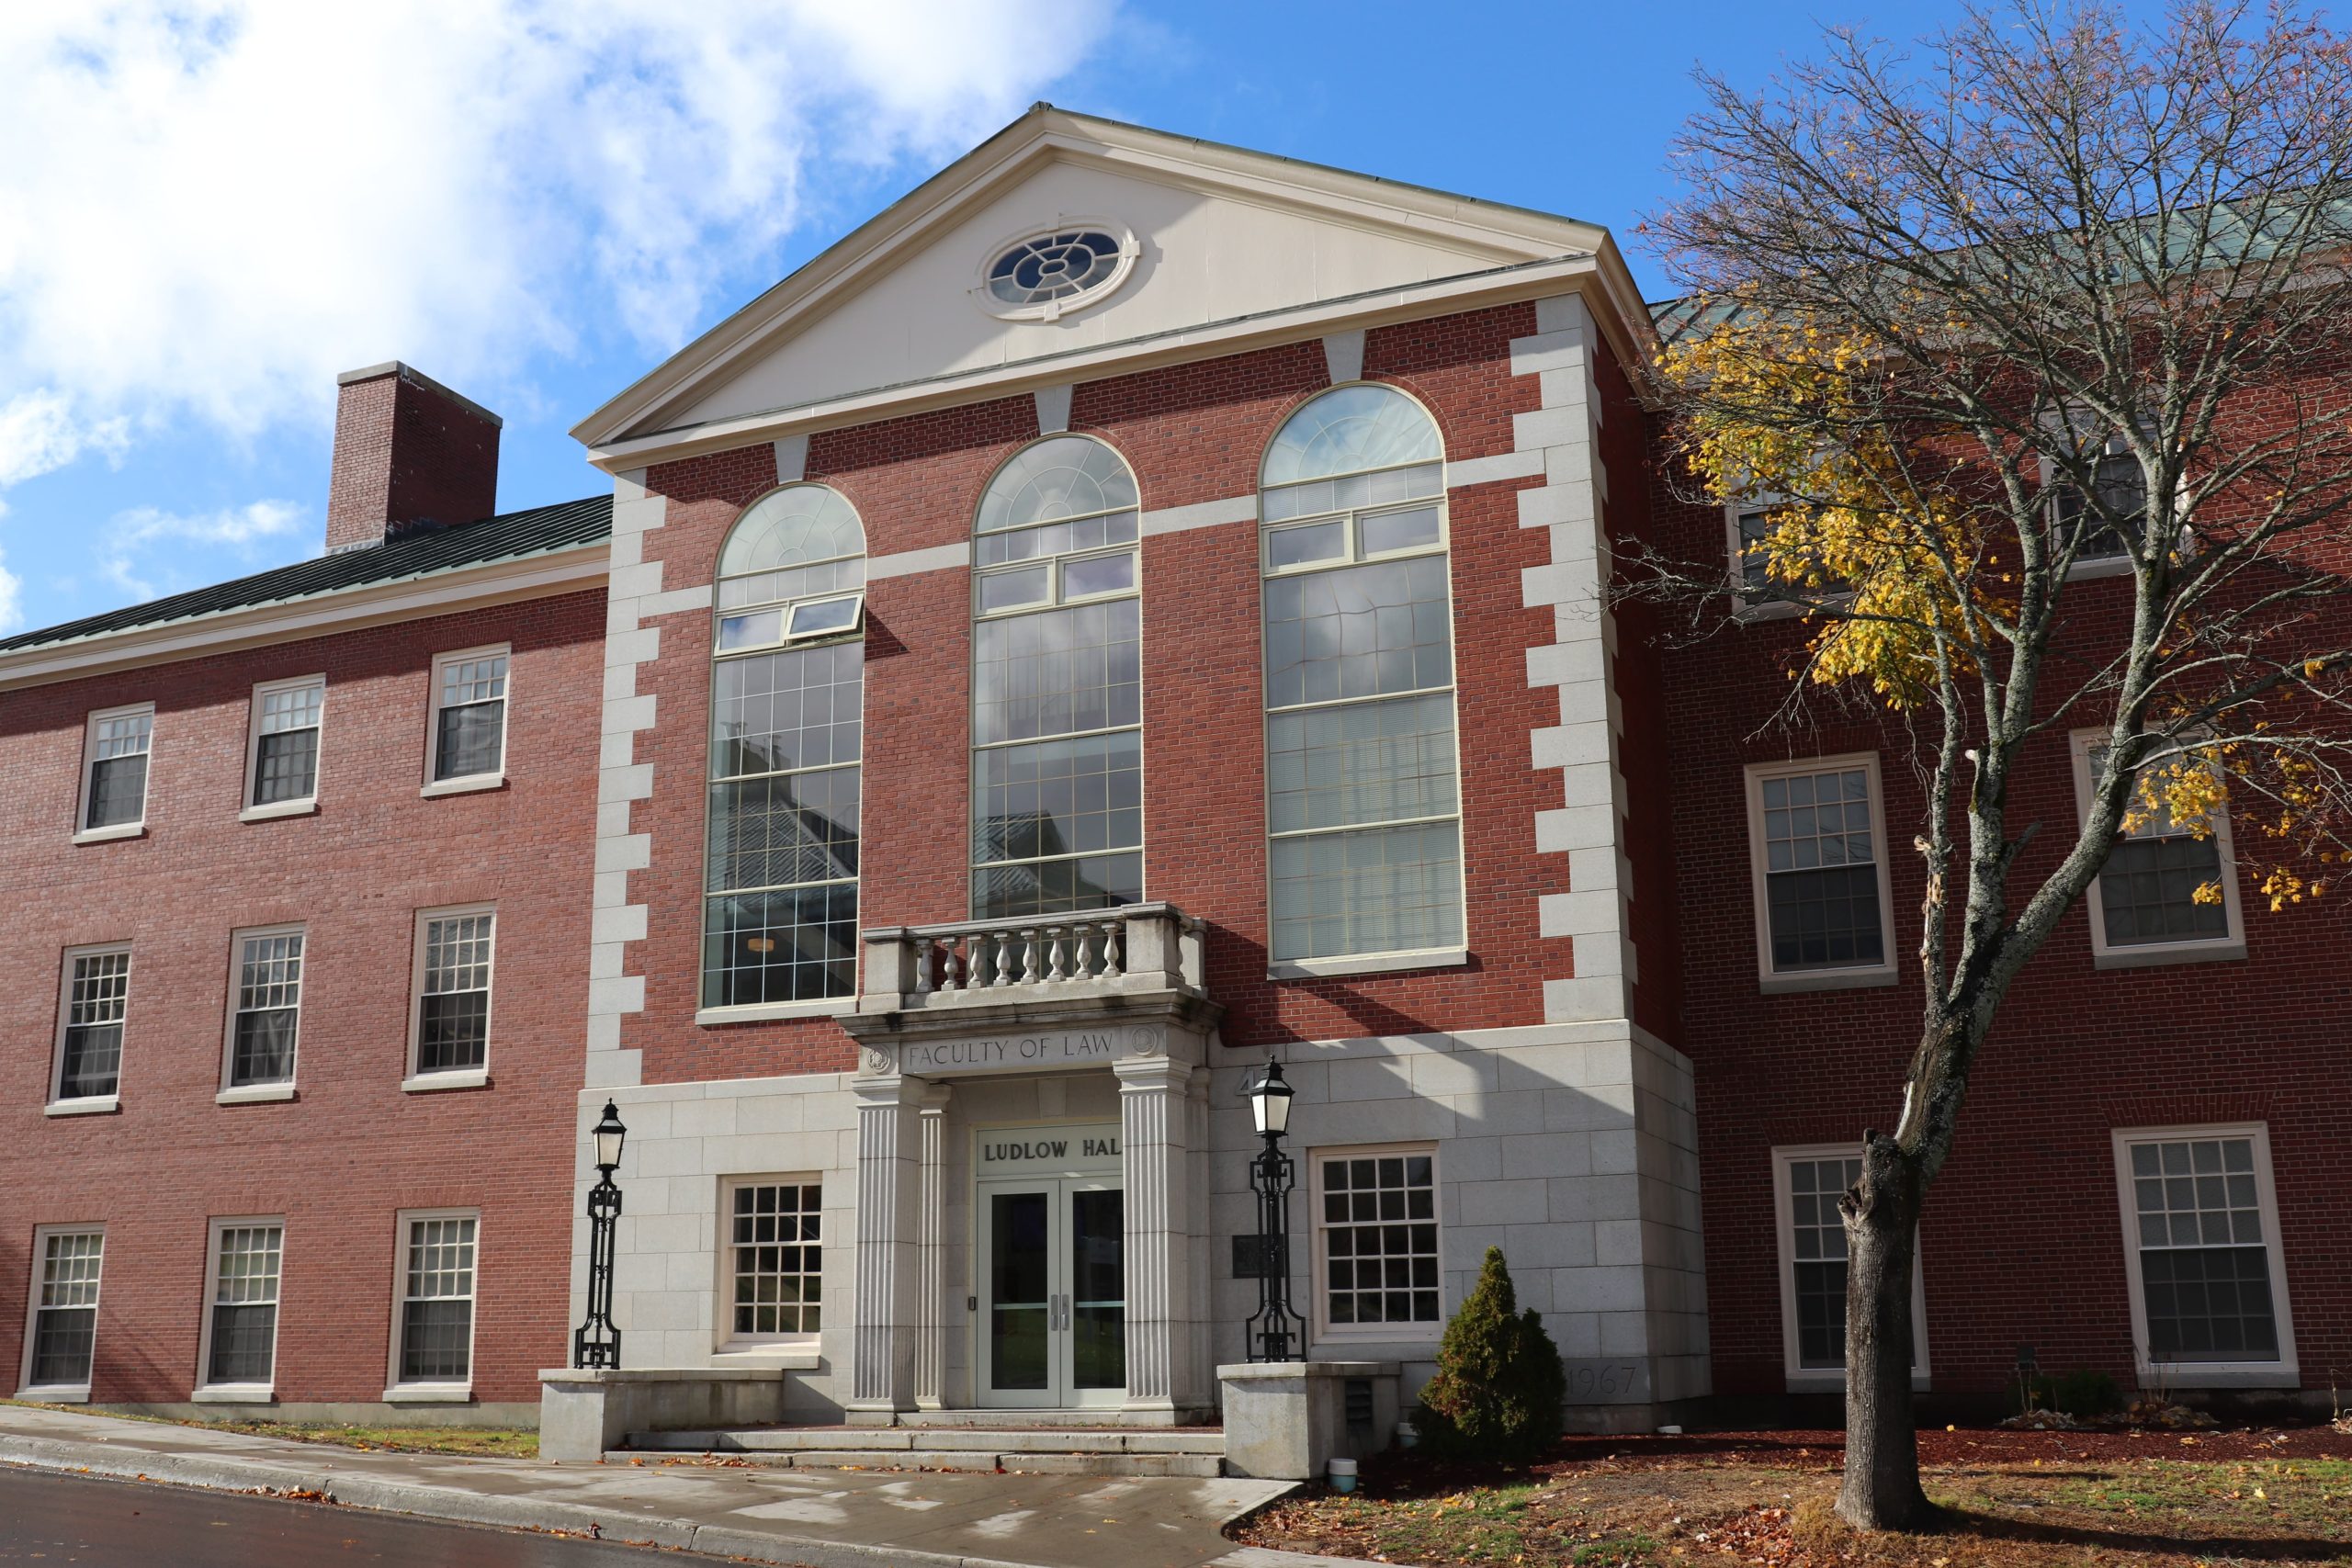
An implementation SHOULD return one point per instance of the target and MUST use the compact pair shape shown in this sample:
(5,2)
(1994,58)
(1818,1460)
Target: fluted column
(931,1243)
(1155,1134)
(883,1338)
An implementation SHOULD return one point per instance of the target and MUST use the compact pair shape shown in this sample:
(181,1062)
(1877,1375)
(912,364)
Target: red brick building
(1130,610)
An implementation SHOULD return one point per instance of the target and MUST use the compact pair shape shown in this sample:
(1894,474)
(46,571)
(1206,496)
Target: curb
(60,1457)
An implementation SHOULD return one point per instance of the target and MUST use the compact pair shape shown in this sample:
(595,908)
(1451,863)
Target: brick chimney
(410,455)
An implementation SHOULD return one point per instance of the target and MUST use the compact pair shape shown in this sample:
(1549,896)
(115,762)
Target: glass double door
(1052,1323)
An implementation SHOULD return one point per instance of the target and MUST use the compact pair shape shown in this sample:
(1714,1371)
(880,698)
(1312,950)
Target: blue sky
(536,202)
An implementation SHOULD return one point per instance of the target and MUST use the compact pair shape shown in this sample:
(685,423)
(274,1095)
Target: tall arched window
(1363,798)
(780,904)
(1057,685)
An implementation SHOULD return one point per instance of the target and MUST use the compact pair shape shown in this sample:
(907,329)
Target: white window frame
(1748,609)
(1322,1329)
(2284,1372)
(88,1104)
(230,1092)
(2139,954)
(467,784)
(2085,566)
(205,1390)
(725,1341)
(1772,981)
(138,830)
(416,1082)
(302,806)
(1818,1379)
(57,1393)
(395,1390)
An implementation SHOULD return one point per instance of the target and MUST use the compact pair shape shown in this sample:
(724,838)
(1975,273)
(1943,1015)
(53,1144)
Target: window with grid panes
(244,1304)
(438,1302)
(116,792)
(453,1006)
(1379,1223)
(96,999)
(1817,1250)
(787,696)
(2115,507)
(285,742)
(775,1236)
(1821,887)
(268,1008)
(1363,798)
(2147,890)
(65,1311)
(469,716)
(2204,1259)
(1056,684)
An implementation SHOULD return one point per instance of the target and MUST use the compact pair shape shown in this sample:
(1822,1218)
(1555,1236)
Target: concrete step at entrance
(1165,1451)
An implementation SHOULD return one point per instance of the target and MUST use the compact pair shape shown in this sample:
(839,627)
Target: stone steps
(1163,1451)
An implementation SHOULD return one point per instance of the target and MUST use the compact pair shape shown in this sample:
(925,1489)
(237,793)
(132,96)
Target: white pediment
(1219,235)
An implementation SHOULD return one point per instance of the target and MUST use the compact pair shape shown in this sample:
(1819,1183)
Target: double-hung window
(1806,1185)
(2096,516)
(433,1340)
(1817,847)
(468,750)
(454,949)
(2200,1233)
(63,1335)
(1376,1257)
(240,1326)
(282,760)
(2166,895)
(114,772)
(776,1259)
(93,1009)
(786,739)
(1056,684)
(1363,792)
(266,1007)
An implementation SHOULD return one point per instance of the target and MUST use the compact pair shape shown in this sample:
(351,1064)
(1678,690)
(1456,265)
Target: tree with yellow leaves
(2032,349)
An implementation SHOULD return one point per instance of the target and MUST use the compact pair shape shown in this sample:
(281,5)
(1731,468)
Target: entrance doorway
(1052,1269)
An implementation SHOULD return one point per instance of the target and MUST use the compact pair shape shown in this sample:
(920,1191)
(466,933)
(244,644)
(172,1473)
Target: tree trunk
(1882,1213)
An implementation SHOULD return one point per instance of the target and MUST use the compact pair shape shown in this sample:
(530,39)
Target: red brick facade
(350,1150)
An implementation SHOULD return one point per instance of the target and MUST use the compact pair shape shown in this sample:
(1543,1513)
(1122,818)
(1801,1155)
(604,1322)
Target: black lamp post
(598,1343)
(1267,1336)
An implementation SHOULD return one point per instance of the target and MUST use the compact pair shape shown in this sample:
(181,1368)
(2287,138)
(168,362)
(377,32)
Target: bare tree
(2054,291)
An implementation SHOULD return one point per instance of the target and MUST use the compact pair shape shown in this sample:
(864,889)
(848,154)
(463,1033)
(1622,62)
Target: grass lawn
(2013,1500)
(493,1442)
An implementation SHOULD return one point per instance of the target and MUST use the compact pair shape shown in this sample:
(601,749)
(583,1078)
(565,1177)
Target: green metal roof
(513,535)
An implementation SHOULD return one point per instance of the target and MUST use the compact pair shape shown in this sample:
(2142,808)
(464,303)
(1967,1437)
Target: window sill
(2157,952)
(92,1105)
(254,1094)
(471,785)
(1330,1347)
(108,835)
(2222,1374)
(1368,964)
(430,1393)
(429,1083)
(278,808)
(235,1393)
(1824,980)
(821,1007)
(781,1358)
(2100,566)
(60,1394)
(1817,1381)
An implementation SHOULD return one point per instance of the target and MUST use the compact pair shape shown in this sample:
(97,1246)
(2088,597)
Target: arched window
(780,903)
(1362,794)
(1057,685)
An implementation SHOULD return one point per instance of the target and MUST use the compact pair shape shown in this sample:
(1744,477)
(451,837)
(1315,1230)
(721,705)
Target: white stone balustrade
(1139,947)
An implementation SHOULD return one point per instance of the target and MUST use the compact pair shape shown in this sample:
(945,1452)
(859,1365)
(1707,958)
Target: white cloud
(220,203)
(12,599)
(133,536)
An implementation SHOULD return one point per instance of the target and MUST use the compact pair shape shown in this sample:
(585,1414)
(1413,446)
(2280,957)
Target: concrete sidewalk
(816,1519)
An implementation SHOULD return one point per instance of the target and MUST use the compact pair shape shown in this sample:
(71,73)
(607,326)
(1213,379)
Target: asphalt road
(59,1519)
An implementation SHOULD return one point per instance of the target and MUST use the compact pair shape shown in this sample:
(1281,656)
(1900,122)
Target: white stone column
(882,1343)
(931,1243)
(1155,1135)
